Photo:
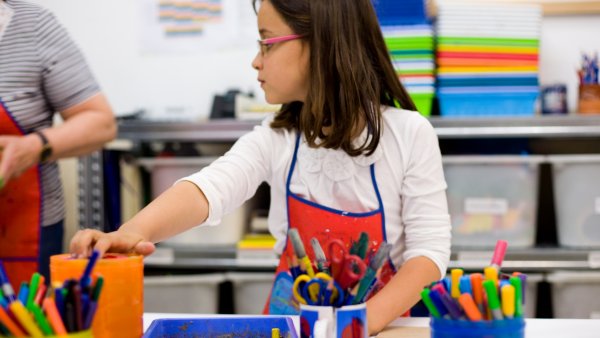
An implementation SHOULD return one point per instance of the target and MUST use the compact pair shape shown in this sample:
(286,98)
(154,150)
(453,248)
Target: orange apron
(20,214)
(323,223)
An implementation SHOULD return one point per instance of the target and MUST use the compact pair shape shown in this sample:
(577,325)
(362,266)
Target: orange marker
(8,323)
(477,287)
(54,317)
(468,305)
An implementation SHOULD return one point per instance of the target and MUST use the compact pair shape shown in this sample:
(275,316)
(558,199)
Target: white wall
(108,32)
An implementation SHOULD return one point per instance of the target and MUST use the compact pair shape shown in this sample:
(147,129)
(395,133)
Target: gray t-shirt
(41,72)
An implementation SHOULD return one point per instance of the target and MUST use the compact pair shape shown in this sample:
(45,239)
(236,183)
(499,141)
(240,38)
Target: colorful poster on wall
(176,26)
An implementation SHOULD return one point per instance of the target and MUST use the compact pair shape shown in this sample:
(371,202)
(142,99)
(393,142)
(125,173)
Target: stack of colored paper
(487,58)
(411,48)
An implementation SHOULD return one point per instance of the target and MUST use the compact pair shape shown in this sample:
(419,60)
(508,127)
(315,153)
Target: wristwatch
(46,147)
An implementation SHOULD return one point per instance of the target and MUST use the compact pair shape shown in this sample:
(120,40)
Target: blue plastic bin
(487,104)
(219,327)
(507,328)
(405,12)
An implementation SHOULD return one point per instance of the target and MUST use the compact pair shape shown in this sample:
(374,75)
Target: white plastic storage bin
(183,293)
(250,291)
(533,280)
(577,199)
(165,172)
(491,198)
(575,294)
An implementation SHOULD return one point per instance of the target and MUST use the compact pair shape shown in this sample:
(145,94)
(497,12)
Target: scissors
(346,269)
(315,291)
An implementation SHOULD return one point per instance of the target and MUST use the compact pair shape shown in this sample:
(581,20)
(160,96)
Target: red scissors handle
(354,269)
(336,250)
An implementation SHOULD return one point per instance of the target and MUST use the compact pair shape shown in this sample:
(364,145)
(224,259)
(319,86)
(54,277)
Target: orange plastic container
(121,305)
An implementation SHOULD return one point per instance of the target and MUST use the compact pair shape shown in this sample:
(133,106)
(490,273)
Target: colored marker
(492,298)
(465,285)
(469,306)
(452,306)
(523,278)
(429,303)
(54,317)
(374,264)
(33,287)
(10,325)
(455,274)
(86,278)
(508,301)
(436,298)
(300,251)
(25,319)
(516,283)
(23,292)
(491,273)
(498,256)
(41,320)
(5,284)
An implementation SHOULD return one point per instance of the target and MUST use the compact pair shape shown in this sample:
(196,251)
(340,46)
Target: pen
(455,274)
(436,299)
(9,324)
(516,283)
(5,284)
(33,287)
(53,316)
(25,319)
(508,301)
(374,264)
(492,298)
(429,303)
(300,251)
(86,279)
(468,305)
(499,252)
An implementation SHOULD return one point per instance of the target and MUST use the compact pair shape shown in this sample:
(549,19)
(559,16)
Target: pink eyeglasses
(265,44)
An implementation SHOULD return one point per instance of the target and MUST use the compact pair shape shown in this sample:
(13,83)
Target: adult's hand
(119,241)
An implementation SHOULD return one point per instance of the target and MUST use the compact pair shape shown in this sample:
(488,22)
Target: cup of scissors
(328,321)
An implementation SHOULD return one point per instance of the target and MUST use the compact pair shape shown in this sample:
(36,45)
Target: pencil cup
(589,99)
(448,328)
(121,303)
(327,321)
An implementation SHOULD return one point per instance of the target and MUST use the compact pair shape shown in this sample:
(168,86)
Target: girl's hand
(17,154)
(120,241)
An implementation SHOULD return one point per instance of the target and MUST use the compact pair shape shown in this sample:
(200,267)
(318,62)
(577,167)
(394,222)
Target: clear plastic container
(491,198)
(165,172)
(577,199)
(575,294)
(183,293)
(250,291)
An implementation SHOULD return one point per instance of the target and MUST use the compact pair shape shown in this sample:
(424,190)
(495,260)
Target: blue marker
(436,298)
(5,284)
(85,281)
(23,292)
(465,285)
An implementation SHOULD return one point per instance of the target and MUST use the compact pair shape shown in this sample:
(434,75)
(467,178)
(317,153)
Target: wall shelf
(215,131)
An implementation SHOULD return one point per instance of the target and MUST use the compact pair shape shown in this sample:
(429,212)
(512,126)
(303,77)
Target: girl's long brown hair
(351,74)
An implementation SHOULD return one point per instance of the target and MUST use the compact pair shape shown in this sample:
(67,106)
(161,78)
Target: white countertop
(535,328)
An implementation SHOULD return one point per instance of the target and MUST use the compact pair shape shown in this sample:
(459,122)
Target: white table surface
(535,328)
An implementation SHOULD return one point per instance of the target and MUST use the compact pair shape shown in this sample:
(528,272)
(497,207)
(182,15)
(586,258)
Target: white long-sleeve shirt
(408,170)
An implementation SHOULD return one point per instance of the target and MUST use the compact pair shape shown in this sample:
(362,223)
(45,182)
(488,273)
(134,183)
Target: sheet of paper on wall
(194,26)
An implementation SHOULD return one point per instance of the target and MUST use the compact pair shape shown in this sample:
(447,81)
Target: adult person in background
(41,72)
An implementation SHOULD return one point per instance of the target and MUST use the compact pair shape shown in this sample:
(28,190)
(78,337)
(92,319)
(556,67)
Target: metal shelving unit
(227,131)
(572,126)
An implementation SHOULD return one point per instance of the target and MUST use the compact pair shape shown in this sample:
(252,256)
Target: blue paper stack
(488,58)
(409,38)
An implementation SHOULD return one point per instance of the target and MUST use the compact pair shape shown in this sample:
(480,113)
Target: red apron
(20,215)
(323,223)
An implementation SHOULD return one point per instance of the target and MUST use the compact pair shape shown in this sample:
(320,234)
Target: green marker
(41,320)
(516,282)
(1,182)
(33,287)
(493,302)
(429,303)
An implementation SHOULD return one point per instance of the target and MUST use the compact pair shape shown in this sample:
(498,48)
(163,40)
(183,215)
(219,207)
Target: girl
(340,160)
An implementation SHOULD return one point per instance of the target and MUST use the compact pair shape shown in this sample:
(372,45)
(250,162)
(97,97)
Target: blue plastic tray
(396,12)
(487,104)
(233,327)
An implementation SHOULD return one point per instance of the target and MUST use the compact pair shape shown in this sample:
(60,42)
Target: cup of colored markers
(62,310)
(488,304)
